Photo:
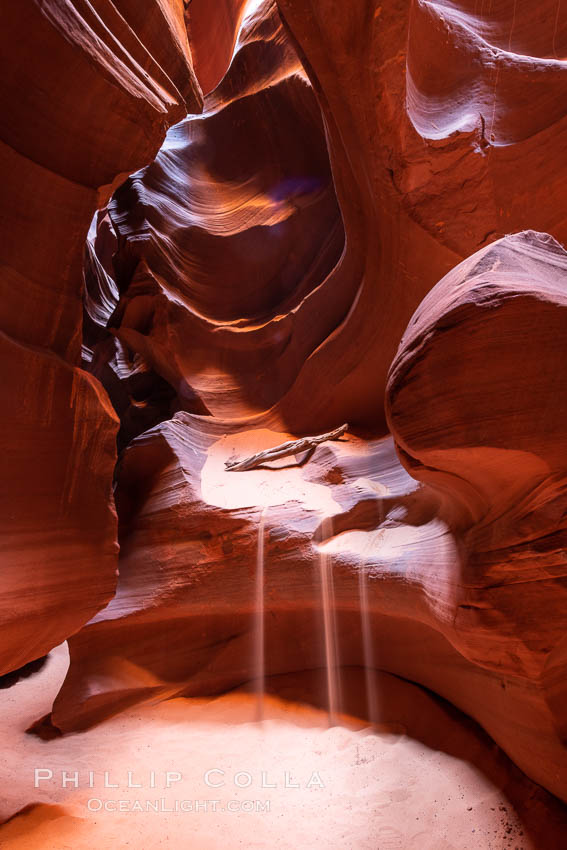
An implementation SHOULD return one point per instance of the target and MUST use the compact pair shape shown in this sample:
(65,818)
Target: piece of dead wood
(292,447)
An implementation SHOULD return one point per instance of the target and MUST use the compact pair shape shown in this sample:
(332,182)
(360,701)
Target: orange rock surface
(362,221)
(87,93)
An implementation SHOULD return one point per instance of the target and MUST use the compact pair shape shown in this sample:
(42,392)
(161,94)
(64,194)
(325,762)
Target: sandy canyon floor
(430,781)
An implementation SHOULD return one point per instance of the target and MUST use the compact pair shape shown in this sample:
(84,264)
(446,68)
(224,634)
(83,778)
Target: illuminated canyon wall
(356,216)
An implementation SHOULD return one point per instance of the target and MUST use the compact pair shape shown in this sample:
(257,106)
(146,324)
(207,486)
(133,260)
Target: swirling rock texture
(494,452)
(221,248)
(255,281)
(88,90)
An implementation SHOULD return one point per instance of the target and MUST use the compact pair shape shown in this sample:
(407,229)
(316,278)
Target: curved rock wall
(252,280)
(88,90)
(212,53)
(224,243)
(464,576)
(416,200)
(475,404)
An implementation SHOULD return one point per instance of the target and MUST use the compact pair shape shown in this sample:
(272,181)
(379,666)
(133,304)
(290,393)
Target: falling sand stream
(366,626)
(329,625)
(367,647)
(259,640)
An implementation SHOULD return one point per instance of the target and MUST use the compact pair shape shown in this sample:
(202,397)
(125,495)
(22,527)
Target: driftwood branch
(292,447)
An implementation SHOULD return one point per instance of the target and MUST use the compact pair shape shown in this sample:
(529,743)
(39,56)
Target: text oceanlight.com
(96,804)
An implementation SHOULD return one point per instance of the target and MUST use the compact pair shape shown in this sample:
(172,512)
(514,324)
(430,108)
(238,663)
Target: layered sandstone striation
(444,135)
(88,92)
(476,401)
(184,621)
(231,252)
(239,308)
(356,164)
(183,618)
(223,246)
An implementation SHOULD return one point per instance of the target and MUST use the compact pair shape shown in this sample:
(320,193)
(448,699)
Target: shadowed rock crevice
(224,239)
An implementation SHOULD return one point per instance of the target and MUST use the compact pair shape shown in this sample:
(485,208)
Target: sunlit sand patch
(288,780)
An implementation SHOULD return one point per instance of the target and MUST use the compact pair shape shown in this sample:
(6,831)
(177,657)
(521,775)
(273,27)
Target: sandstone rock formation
(88,91)
(456,573)
(223,242)
(476,401)
(417,198)
(212,32)
(252,282)
(399,182)
(183,616)
(449,570)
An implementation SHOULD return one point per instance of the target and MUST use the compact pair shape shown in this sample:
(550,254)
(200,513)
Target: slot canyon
(284,430)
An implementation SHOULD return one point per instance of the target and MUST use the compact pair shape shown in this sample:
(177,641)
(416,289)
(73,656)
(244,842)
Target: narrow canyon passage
(284,494)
